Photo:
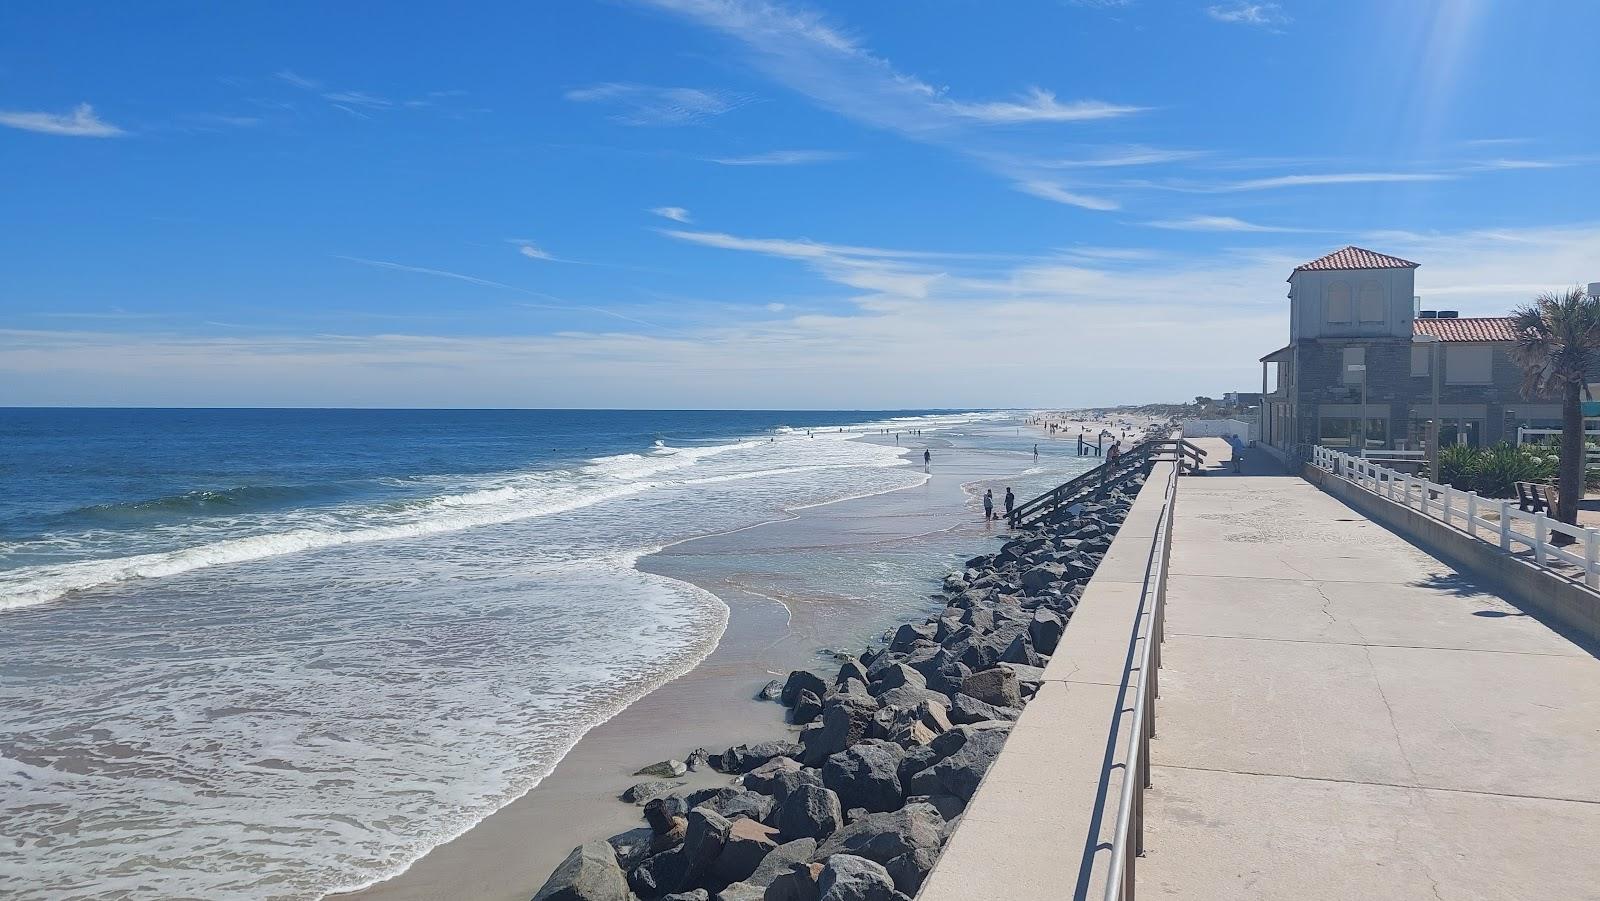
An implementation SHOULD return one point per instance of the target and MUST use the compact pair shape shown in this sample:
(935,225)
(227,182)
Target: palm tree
(1558,346)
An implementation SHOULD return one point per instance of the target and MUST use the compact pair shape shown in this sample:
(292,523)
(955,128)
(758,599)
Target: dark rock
(881,837)
(852,669)
(642,792)
(780,776)
(910,869)
(698,759)
(698,894)
(1046,629)
(909,634)
(708,832)
(967,709)
(1021,651)
(1037,579)
(772,691)
(895,677)
(911,696)
(845,720)
(810,811)
(743,891)
(658,874)
(781,859)
(748,843)
(866,775)
(744,758)
(802,680)
(666,769)
(807,707)
(997,686)
(798,884)
(590,873)
(1026,675)
(659,813)
(633,846)
(960,772)
(949,806)
(846,877)
(736,801)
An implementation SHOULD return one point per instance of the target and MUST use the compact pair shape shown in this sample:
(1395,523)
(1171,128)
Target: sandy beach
(782,617)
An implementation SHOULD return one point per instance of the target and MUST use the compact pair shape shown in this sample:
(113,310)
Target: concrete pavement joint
(1395,785)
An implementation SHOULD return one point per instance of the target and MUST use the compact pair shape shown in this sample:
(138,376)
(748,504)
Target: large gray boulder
(807,707)
(633,846)
(590,873)
(643,792)
(798,884)
(845,721)
(1046,630)
(966,709)
(882,837)
(1041,577)
(780,860)
(744,758)
(748,843)
(846,877)
(997,686)
(780,776)
(665,769)
(707,834)
(896,676)
(911,696)
(866,775)
(810,811)
(910,869)
(960,772)
(802,680)
(743,891)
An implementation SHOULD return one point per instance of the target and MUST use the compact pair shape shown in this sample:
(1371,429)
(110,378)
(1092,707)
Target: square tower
(1352,293)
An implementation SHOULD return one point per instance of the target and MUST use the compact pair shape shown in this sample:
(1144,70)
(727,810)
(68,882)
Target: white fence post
(1591,557)
(1541,532)
(1472,513)
(1447,491)
(1505,525)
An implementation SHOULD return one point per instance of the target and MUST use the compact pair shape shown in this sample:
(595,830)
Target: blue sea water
(273,653)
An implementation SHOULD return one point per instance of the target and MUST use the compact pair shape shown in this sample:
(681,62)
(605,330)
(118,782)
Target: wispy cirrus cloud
(782,158)
(1118,157)
(1297,181)
(1244,12)
(1050,190)
(80,123)
(675,213)
(642,104)
(799,49)
(359,104)
(1217,224)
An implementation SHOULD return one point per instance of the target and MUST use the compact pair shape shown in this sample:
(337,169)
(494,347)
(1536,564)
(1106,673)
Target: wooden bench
(1536,497)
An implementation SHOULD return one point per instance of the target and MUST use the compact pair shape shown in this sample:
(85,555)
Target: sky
(757,203)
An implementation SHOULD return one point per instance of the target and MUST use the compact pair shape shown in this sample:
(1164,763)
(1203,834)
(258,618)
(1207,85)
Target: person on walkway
(988,504)
(1011,502)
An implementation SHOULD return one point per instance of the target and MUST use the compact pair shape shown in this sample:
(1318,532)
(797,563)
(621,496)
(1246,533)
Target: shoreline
(507,854)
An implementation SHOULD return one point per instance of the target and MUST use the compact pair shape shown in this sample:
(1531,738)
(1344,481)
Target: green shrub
(1494,471)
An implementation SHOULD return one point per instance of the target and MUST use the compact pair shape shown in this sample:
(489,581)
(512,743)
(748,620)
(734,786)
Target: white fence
(1217,428)
(1490,519)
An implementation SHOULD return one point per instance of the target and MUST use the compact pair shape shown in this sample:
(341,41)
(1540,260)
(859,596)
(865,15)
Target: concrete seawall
(1041,823)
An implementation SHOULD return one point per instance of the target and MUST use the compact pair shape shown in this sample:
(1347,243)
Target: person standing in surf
(927,457)
(1011,502)
(988,504)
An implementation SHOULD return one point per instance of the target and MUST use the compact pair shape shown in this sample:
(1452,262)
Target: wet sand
(779,619)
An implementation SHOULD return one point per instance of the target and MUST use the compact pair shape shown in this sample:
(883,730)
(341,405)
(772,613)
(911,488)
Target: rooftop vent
(1449,314)
(1427,314)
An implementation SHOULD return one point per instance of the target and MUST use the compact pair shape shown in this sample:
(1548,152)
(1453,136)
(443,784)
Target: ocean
(277,653)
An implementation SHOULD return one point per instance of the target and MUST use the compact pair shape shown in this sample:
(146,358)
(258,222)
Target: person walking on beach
(988,504)
(1011,502)
(927,457)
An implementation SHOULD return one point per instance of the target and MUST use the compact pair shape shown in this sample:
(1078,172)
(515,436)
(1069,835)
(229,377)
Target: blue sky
(756,203)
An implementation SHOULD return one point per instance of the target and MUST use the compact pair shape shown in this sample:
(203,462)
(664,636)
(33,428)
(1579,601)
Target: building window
(1353,356)
(1339,304)
(1421,359)
(1345,431)
(1469,365)
(1371,305)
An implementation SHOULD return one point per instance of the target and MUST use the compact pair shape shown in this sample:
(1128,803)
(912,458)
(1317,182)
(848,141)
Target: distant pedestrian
(927,457)
(1036,453)
(1011,503)
(988,504)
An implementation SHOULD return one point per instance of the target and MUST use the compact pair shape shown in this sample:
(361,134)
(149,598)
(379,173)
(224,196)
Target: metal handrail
(1127,844)
(1140,455)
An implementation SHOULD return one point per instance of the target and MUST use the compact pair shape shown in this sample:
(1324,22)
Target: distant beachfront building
(1360,364)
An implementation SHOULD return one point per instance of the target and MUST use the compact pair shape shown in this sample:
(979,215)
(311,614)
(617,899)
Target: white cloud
(782,158)
(357,98)
(533,252)
(1243,12)
(775,308)
(299,81)
(80,123)
(1216,224)
(675,213)
(1039,105)
(1199,322)
(1505,164)
(1050,190)
(1123,156)
(641,104)
(1298,181)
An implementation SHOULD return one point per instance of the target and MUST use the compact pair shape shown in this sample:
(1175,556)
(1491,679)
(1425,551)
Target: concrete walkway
(1344,716)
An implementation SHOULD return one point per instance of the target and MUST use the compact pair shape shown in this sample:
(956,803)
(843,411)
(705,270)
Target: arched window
(1370,307)
(1339,304)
